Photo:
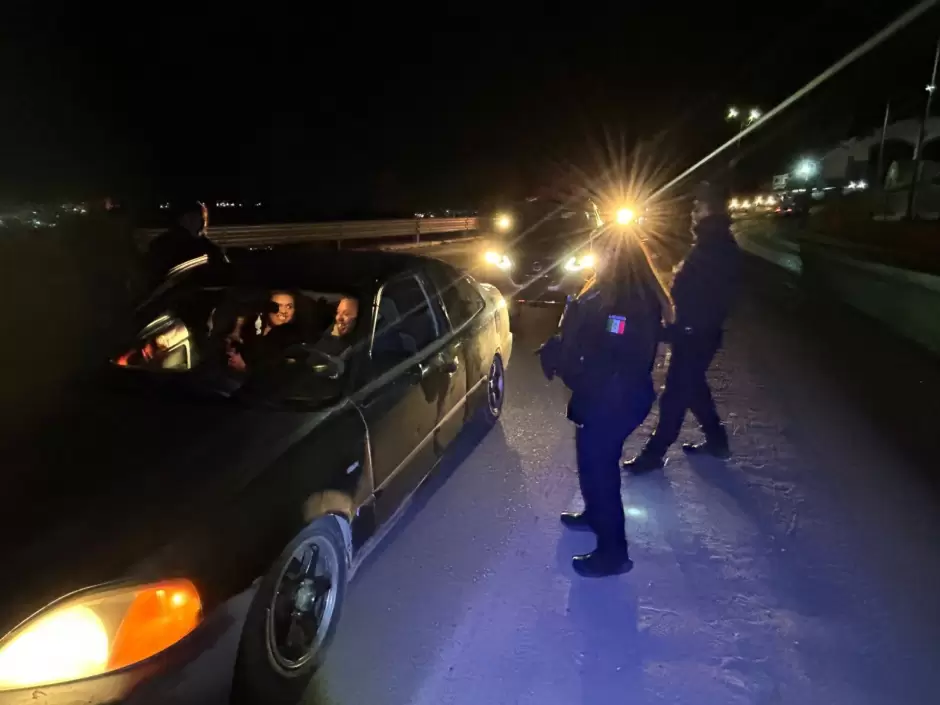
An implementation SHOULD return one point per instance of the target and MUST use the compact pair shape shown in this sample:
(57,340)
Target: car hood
(112,479)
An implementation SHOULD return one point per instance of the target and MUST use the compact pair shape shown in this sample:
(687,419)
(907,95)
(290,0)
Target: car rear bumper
(197,670)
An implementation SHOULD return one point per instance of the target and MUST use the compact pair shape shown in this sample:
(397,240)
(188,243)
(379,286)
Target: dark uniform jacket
(605,351)
(706,282)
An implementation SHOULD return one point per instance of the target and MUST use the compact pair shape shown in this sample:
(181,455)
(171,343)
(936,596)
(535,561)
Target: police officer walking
(604,354)
(703,291)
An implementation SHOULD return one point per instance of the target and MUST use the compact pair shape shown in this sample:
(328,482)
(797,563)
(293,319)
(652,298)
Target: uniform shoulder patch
(616,324)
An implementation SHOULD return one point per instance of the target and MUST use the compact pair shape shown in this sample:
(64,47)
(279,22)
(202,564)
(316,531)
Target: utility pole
(879,175)
(918,148)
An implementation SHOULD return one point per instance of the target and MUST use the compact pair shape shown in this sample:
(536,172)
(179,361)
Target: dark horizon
(446,118)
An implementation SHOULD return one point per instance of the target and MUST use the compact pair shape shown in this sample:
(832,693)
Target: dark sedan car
(182,498)
(542,251)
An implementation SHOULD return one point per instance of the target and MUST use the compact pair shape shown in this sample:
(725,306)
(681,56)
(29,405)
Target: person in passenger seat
(338,338)
(274,332)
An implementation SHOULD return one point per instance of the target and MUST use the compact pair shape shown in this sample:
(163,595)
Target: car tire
(267,669)
(495,383)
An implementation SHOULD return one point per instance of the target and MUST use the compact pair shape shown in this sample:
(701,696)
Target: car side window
(462,300)
(405,323)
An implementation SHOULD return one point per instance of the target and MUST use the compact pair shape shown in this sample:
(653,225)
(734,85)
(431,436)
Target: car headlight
(97,632)
(625,216)
(503,222)
(499,260)
(576,264)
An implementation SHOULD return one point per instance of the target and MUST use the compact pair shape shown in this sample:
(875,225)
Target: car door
(463,305)
(451,388)
(401,401)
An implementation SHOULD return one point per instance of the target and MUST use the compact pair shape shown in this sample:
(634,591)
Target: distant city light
(733,113)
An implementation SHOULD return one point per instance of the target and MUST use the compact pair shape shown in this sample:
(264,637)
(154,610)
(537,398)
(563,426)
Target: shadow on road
(461,449)
(603,618)
(413,592)
(818,581)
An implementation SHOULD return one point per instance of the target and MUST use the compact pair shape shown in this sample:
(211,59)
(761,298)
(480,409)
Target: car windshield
(550,226)
(258,345)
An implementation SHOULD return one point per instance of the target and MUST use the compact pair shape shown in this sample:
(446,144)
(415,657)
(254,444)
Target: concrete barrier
(906,301)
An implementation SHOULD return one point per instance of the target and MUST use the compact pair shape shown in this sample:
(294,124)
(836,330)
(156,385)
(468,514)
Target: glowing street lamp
(753,115)
(735,115)
(806,169)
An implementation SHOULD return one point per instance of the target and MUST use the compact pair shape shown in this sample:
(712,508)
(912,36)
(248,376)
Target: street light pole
(880,175)
(918,148)
(733,114)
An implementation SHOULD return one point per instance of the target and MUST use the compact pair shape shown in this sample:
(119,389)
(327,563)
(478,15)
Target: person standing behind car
(703,291)
(185,240)
(604,354)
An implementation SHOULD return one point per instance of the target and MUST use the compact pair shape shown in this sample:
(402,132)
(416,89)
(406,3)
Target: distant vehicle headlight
(498,259)
(625,216)
(98,632)
(577,264)
(504,222)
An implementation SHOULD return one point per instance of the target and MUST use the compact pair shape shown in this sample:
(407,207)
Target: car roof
(299,266)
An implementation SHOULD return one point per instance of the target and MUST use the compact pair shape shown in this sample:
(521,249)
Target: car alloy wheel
(496,387)
(303,605)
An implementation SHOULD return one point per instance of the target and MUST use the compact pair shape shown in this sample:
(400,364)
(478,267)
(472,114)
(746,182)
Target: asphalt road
(804,570)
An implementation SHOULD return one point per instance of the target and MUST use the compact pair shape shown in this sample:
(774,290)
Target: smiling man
(338,339)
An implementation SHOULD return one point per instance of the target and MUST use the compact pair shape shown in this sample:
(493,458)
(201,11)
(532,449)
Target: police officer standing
(703,291)
(604,354)
(183,241)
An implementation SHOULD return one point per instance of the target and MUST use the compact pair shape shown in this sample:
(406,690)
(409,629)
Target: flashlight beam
(899,24)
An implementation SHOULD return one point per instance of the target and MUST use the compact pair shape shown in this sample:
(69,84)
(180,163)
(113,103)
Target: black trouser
(599,445)
(687,390)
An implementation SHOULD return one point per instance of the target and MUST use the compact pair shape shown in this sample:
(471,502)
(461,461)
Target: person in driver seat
(274,331)
(338,339)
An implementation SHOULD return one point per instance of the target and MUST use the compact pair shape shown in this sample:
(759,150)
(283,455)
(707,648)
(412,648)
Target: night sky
(383,112)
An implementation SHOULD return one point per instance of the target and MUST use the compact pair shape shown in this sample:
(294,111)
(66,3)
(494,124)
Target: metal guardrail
(338,231)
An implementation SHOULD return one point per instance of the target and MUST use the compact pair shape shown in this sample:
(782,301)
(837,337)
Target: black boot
(576,521)
(645,462)
(602,562)
(715,447)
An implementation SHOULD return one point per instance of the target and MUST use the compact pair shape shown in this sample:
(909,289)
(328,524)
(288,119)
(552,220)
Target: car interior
(405,323)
